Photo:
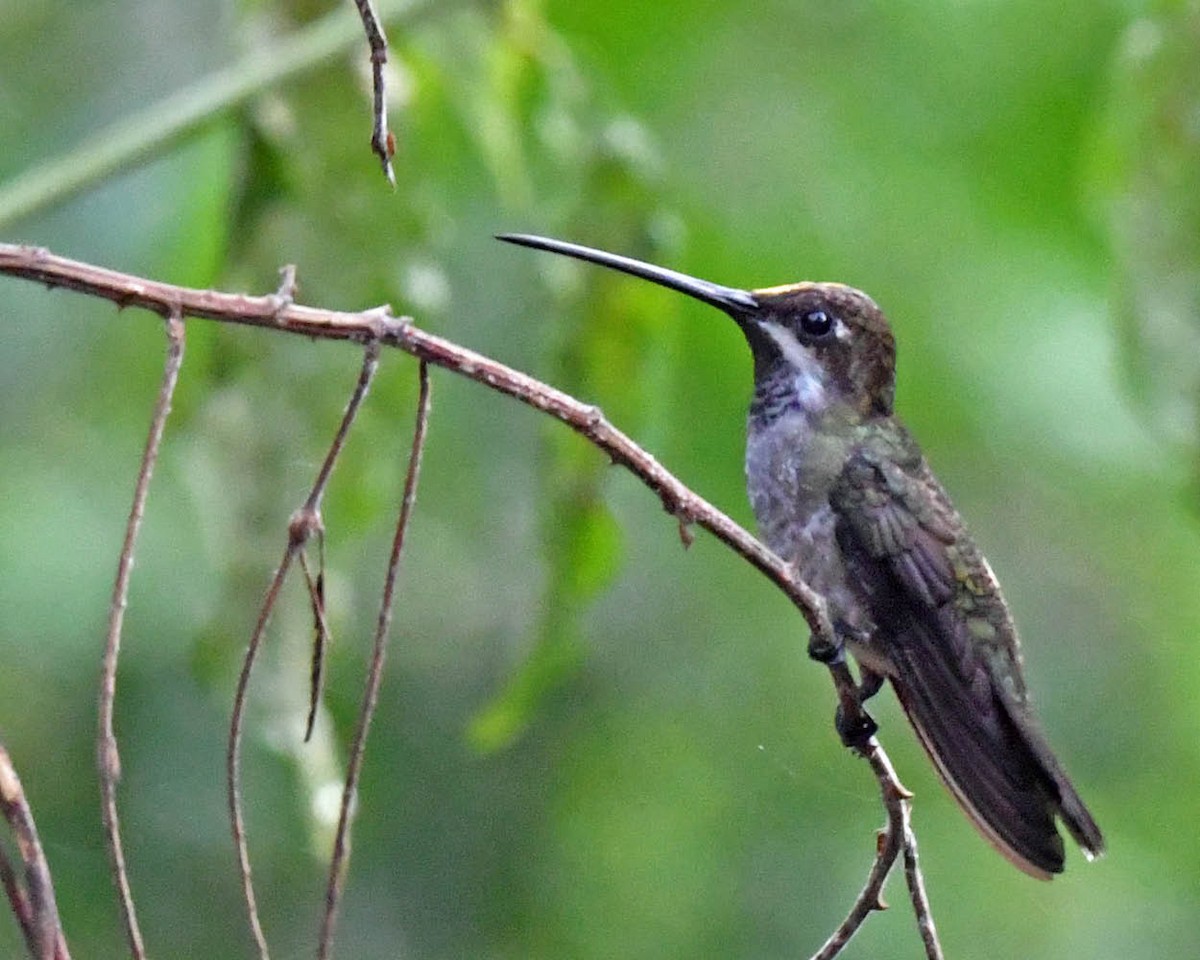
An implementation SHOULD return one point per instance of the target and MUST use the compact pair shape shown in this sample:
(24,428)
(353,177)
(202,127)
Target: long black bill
(735,302)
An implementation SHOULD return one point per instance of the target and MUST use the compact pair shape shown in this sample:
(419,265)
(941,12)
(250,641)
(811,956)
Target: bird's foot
(825,649)
(855,726)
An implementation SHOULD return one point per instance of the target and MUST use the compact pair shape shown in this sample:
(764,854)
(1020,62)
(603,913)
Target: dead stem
(34,903)
(303,524)
(341,845)
(383,143)
(108,759)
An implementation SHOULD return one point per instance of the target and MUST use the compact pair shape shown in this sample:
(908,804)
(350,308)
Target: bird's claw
(854,726)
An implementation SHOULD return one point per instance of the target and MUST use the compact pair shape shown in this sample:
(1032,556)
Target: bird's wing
(943,628)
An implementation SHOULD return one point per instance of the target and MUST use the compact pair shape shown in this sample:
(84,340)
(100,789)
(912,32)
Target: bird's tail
(995,761)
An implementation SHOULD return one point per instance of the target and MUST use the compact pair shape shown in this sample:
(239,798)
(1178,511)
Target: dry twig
(383,142)
(33,902)
(379,326)
(304,522)
(341,845)
(896,838)
(108,758)
(321,635)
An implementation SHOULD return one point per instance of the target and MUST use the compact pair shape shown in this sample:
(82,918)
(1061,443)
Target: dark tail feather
(992,758)
(1075,816)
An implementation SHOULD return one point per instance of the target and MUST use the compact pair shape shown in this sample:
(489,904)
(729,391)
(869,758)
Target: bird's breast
(791,465)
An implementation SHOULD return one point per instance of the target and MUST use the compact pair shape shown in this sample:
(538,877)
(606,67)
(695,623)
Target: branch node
(384,326)
(285,293)
(593,416)
(303,524)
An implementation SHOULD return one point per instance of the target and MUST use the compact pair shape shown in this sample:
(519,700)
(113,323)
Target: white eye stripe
(794,352)
(809,373)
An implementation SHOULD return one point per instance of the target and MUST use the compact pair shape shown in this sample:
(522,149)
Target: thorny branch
(108,759)
(32,901)
(341,845)
(379,327)
(383,142)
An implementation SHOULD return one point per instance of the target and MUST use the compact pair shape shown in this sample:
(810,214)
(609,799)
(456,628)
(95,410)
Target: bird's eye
(816,323)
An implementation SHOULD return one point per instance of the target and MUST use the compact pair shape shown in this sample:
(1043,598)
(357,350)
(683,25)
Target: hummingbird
(842,492)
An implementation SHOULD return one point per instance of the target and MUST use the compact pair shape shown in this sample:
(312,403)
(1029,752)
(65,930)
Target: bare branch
(379,326)
(915,879)
(108,759)
(303,524)
(383,143)
(33,903)
(341,846)
(896,838)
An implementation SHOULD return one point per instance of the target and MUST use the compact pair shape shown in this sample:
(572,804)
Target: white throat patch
(808,371)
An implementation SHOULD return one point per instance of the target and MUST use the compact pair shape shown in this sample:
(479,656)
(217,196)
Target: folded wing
(947,638)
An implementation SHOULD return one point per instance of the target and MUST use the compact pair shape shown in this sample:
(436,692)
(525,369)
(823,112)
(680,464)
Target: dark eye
(816,323)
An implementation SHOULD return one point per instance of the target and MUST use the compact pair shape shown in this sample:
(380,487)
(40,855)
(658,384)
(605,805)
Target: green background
(592,743)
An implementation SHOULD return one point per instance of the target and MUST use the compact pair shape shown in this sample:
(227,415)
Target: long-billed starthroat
(842,492)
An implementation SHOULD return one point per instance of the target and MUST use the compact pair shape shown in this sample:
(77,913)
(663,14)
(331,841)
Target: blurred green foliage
(592,743)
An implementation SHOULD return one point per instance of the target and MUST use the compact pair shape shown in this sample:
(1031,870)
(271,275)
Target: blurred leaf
(1145,182)
(606,337)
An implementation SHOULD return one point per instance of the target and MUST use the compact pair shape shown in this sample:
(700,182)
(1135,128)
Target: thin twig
(897,837)
(383,143)
(887,849)
(34,903)
(379,325)
(304,522)
(341,845)
(321,635)
(916,880)
(108,758)
(18,902)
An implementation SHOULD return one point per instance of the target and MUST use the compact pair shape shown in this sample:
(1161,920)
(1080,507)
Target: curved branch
(380,326)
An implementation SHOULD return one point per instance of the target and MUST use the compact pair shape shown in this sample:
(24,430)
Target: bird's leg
(854,725)
(827,649)
(870,684)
